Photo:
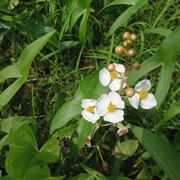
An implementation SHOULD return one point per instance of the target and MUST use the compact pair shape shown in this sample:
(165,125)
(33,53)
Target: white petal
(149,102)
(134,101)
(116,99)
(115,117)
(91,117)
(143,85)
(102,104)
(104,77)
(119,68)
(116,84)
(88,102)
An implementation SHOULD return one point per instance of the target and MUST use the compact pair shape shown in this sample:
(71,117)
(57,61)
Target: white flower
(142,97)
(110,107)
(112,78)
(89,113)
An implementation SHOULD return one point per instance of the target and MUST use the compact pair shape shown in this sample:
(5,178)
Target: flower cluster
(111,106)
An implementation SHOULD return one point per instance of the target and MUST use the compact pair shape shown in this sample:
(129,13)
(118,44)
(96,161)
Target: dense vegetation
(51,52)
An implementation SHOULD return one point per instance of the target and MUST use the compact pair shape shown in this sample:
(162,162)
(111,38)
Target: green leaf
(13,123)
(83,176)
(83,26)
(23,148)
(160,31)
(22,66)
(24,161)
(93,172)
(37,172)
(127,148)
(160,150)
(11,71)
(124,17)
(170,113)
(84,129)
(119,2)
(87,89)
(50,151)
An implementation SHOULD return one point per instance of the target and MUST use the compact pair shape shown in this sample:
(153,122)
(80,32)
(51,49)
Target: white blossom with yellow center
(89,113)
(112,78)
(142,97)
(110,107)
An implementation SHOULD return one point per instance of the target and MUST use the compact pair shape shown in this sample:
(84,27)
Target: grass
(64,63)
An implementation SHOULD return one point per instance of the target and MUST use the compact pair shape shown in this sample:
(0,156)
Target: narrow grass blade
(119,2)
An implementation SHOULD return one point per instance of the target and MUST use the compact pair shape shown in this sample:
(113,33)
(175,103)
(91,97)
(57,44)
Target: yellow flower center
(90,109)
(143,94)
(114,75)
(111,108)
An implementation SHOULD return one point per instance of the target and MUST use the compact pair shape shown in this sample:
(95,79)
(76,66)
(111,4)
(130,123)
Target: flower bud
(105,166)
(119,50)
(126,35)
(125,44)
(131,53)
(111,67)
(133,37)
(122,131)
(129,92)
(124,76)
(88,141)
(136,65)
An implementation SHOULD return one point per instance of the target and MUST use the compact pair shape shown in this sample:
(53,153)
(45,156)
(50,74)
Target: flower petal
(116,84)
(134,101)
(102,104)
(104,77)
(116,99)
(149,102)
(91,117)
(119,68)
(143,85)
(88,102)
(114,117)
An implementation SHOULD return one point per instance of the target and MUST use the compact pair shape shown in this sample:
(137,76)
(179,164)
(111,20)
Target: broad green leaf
(21,153)
(24,161)
(119,2)
(65,132)
(13,122)
(83,176)
(93,172)
(160,150)
(55,178)
(127,148)
(23,65)
(88,88)
(84,129)
(10,72)
(50,151)
(170,113)
(37,172)
(124,17)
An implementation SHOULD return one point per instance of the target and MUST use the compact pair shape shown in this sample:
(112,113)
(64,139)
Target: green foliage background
(50,54)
